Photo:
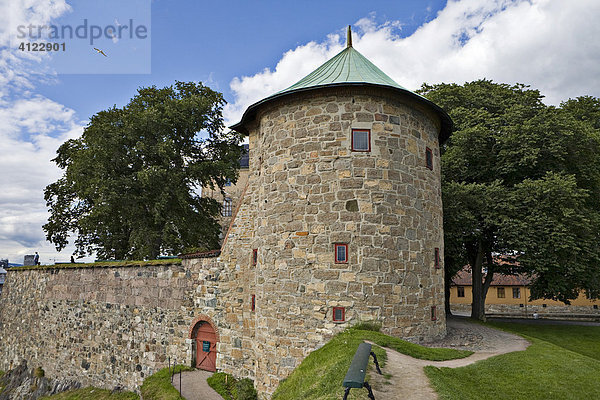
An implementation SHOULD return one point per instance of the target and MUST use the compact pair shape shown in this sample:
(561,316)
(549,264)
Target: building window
(226,212)
(361,140)
(516,293)
(429,158)
(253,303)
(437,258)
(254,257)
(339,314)
(544,305)
(460,291)
(501,293)
(341,253)
(433,313)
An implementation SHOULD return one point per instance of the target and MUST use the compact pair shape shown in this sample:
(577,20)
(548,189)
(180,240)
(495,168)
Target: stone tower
(341,220)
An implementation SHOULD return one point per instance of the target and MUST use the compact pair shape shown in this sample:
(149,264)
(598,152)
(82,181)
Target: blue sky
(251,49)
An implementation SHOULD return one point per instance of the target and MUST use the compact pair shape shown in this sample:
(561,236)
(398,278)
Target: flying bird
(100,51)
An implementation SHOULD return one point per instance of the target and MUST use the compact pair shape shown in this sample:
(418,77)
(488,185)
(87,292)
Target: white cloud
(549,44)
(32,128)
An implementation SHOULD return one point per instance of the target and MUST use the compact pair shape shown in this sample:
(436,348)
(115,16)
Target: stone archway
(204,337)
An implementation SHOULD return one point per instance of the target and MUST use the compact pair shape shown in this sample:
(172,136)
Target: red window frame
(369,140)
(433,313)
(437,258)
(253,303)
(343,310)
(254,257)
(336,247)
(429,158)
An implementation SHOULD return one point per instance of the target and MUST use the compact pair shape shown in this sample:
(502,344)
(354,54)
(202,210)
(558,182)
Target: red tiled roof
(464,278)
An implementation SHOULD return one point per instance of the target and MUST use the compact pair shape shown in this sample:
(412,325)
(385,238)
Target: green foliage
(536,373)
(321,373)
(521,179)
(231,388)
(92,393)
(39,372)
(158,386)
(368,326)
(101,264)
(130,182)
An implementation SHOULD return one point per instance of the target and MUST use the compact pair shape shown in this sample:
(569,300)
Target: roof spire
(349,37)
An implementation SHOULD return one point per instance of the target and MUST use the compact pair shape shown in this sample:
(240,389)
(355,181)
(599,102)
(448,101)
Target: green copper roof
(346,67)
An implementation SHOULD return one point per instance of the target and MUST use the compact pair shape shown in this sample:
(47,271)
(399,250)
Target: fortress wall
(105,326)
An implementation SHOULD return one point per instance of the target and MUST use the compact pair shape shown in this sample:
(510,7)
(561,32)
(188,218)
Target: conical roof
(347,68)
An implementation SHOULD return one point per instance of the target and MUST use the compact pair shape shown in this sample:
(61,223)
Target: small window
(544,305)
(253,303)
(339,314)
(516,293)
(460,291)
(433,313)
(254,257)
(341,253)
(361,140)
(521,305)
(437,258)
(595,306)
(429,158)
(226,212)
(501,293)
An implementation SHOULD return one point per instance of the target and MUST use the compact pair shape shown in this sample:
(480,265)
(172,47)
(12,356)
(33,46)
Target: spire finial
(349,37)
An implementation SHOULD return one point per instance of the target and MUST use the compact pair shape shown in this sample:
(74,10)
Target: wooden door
(206,347)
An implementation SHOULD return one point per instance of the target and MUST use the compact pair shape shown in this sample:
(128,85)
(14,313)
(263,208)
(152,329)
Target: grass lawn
(563,362)
(159,387)
(320,375)
(91,393)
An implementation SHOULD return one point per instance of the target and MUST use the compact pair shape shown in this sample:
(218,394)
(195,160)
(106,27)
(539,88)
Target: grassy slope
(563,362)
(158,386)
(91,393)
(320,375)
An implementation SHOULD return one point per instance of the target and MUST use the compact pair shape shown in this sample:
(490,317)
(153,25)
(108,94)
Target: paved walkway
(408,379)
(194,386)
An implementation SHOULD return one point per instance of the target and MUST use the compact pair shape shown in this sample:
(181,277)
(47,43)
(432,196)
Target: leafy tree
(131,181)
(521,180)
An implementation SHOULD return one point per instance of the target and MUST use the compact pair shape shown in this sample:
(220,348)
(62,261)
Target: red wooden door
(206,347)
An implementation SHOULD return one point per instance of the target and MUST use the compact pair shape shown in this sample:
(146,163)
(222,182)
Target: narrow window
(361,140)
(437,258)
(595,306)
(226,212)
(429,158)
(544,305)
(339,314)
(254,257)
(460,291)
(501,293)
(253,303)
(433,313)
(516,293)
(341,253)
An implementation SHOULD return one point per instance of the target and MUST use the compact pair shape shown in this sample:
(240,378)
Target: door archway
(205,339)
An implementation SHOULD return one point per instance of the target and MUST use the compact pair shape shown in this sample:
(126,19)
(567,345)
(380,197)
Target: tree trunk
(447,283)
(478,304)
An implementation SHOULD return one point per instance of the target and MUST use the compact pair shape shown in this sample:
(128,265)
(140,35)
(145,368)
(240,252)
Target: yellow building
(508,295)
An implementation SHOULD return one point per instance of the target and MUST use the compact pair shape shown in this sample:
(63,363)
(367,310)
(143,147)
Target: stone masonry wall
(109,326)
(310,191)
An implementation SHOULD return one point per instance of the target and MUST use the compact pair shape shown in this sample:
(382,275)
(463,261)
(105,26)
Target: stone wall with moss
(105,326)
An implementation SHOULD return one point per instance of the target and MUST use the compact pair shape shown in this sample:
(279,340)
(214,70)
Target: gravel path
(408,379)
(194,386)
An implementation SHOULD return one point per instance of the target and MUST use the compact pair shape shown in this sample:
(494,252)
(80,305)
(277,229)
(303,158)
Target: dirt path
(408,379)
(194,386)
